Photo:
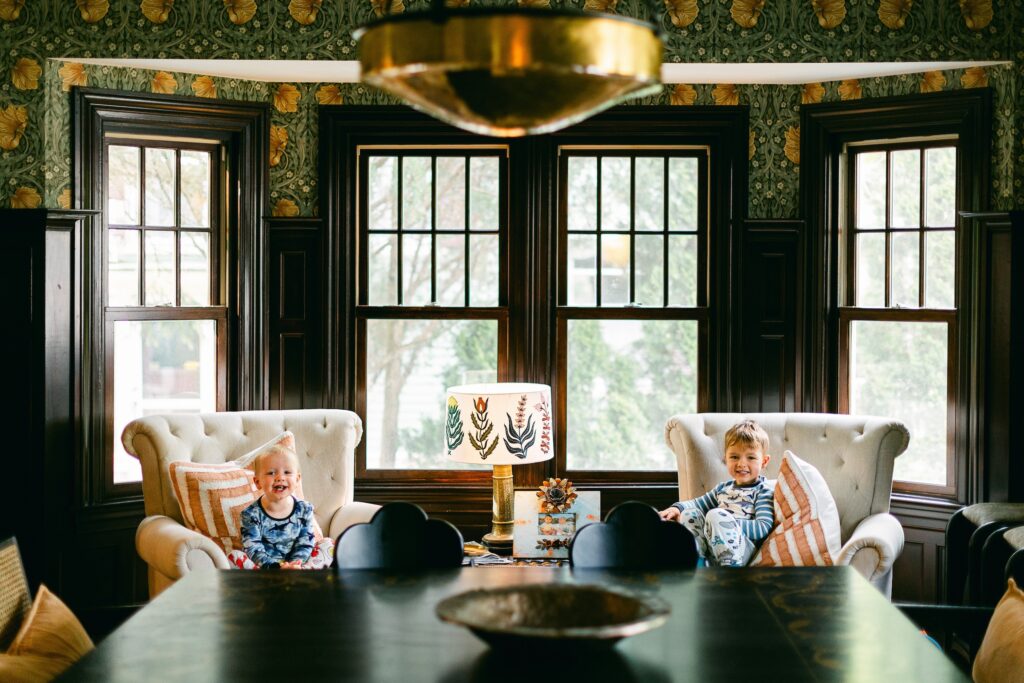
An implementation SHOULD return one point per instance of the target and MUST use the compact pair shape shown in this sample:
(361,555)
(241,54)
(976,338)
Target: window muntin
(431,308)
(165,332)
(632,304)
(897,327)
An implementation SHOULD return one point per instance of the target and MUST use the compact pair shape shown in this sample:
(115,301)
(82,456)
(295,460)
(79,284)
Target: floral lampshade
(499,424)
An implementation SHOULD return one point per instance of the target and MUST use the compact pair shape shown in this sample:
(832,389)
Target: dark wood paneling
(918,572)
(770,315)
(295,277)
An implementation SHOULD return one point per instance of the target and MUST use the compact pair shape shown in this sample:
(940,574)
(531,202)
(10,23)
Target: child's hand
(294,564)
(669,514)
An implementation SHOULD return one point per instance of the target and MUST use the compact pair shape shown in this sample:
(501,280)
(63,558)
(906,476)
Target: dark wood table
(803,624)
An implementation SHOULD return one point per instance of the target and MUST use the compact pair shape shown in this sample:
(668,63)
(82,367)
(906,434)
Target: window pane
(383,270)
(898,369)
(415,270)
(582,271)
(614,270)
(870,199)
(582,193)
(650,270)
(451,193)
(870,259)
(124,181)
(195,189)
(683,188)
(483,270)
(906,188)
(383,193)
(451,270)
(940,268)
(484,193)
(416,193)
(622,378)
(650,194)
(167,366)
(123,267)
(906,269)
(940,187)
(615,181)
(160,186)
(195,268)
(409,364)
(682,270)
(159,268)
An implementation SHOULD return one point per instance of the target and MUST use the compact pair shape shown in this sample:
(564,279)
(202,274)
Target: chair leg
(994,557)
(973,594)
(958,536)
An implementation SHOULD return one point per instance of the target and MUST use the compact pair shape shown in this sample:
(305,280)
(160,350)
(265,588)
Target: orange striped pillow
(807,531)
(212,497)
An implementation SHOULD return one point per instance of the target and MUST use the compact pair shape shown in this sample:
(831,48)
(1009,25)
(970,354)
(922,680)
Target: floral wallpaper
(34,83)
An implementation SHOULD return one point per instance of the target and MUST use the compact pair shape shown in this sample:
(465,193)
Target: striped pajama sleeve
(757,529)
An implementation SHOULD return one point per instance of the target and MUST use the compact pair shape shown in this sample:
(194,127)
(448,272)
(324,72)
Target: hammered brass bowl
(553,615)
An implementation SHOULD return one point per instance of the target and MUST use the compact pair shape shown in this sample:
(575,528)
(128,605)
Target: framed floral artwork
(546,519)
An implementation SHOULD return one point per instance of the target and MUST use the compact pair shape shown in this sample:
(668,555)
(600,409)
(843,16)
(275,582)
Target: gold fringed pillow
(1001,657)
(49,641)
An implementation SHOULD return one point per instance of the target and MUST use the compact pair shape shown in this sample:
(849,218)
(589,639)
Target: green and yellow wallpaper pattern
(41,40)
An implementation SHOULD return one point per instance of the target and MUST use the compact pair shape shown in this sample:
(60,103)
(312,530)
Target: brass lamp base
(499,541)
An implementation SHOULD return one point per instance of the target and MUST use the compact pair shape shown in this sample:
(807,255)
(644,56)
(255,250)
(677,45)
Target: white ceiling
(310,71)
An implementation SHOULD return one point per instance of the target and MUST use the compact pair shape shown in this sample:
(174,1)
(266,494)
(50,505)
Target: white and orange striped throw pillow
(807,531)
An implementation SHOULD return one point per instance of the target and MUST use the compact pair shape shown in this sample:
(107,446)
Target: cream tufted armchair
(325,439)
(854,454)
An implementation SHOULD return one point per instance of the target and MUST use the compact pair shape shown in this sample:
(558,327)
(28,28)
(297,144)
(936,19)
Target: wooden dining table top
(791,624)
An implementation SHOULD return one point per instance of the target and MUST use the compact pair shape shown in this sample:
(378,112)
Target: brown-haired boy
(730,521)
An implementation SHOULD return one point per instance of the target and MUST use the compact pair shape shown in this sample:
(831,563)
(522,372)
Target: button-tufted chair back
(854,454)
(325,441)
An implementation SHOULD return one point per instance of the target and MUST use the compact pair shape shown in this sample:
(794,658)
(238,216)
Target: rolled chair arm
(174,550)
(874,545)
(352,513)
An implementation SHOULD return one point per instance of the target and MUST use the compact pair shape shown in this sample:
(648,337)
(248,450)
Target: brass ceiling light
(510,71)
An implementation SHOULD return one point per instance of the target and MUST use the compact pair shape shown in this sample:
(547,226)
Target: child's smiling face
(745,462)
(277,476)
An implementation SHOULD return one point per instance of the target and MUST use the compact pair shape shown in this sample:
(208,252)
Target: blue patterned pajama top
(752,506)
(267,539)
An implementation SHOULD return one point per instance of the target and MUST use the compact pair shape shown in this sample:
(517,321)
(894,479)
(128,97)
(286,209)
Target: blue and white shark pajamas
(730,521)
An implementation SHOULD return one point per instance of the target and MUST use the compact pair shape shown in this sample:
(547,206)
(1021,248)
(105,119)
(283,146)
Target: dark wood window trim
(243,129)
(531,302)
(825,131)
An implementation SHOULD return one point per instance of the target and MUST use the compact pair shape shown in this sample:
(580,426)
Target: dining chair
(15,597)
(633,536)
(974,532)
(399,536)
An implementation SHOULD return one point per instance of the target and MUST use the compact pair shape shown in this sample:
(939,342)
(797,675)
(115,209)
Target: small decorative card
(546,520)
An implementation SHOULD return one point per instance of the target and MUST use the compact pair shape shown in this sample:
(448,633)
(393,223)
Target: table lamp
(500,424)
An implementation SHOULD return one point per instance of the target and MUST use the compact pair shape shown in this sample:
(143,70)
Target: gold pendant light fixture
(510,71)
